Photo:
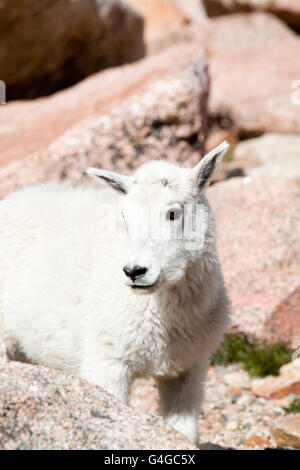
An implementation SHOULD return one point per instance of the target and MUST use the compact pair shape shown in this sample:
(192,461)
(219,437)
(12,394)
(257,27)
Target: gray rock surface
(42,408)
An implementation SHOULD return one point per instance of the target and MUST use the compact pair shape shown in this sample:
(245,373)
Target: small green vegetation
(259,360)
(294,407)
(229,156)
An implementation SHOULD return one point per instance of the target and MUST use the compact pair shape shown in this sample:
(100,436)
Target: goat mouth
(145,288)
(142,287)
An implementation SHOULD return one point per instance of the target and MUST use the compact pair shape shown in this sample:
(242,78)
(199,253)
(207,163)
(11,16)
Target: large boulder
(165,22)
(270,155)
(258,221)
(286,10)
(254,64)
(44,409)
(287,383)
(286,431)
(52,44)
(118,118)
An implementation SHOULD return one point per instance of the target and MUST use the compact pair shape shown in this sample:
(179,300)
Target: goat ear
(206,168)
(120,183)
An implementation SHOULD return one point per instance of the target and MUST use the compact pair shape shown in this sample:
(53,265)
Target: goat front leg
(113,377)
(180,400)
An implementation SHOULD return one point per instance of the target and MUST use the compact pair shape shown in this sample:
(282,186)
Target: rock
(212,446)
(239,378)
(258,222)
(194,9)
(232,426)
(257,441)
(286,315)
(117,119)
(165,22)
(286,431)
(287,10)
(292,369)
(57,43)
(276,387)
(227,422)
(270,155)
(144,396)
(43,409)
(254,64)
(287,383)
(234,393)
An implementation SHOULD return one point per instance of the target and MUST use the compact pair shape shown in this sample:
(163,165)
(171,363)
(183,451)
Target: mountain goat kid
(115,285)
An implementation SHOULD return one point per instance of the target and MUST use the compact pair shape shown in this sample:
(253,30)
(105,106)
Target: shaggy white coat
(65,301)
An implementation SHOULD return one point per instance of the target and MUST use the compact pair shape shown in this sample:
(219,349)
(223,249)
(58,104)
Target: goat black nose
(135,272)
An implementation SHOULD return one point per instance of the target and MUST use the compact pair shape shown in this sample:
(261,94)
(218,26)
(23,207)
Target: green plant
(229,156)
(259,360)
(294,407)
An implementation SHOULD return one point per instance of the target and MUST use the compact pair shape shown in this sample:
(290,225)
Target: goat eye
(173,214)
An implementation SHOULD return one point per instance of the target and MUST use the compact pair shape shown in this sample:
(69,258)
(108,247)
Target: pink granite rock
(254,62)
(165,22)
(286,431)
(270,155)
(116,119)
(286,10)
(277,387)
(44,409)
(258,221)
(51,44)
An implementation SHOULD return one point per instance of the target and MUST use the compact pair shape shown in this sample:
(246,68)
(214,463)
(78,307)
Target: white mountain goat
(115,285)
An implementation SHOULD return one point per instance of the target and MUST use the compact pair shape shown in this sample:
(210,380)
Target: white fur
(65,301)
